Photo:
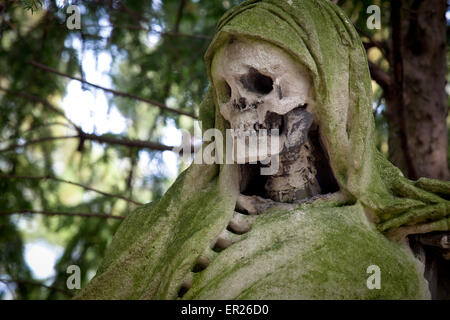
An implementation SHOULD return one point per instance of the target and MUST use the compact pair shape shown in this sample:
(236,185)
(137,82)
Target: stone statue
(334,210)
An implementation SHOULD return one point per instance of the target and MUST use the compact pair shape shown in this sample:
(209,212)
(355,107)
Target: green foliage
(31,5)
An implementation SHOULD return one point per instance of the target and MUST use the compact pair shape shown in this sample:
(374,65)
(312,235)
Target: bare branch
(126,142)
(93,137)
(381,45)
(129,180)
(48,177)
(67,214)
(39,284)
(179,15)
(115,92)
(380,76)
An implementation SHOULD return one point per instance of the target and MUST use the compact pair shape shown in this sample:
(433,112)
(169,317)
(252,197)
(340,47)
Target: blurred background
(88,116)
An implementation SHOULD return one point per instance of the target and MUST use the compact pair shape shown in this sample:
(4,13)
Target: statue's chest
(322,254)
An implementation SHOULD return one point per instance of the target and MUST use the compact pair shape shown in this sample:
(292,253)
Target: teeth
(256,129)
(249,133)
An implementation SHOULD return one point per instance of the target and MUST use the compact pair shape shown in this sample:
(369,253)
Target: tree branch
(380,76)
(67,214)
(179,15)
(382,46)
(48,177)
(129,180)
(93,137)
(115,92)
(34,283)
(44,102)
(377,74)
(81,134)
(126,142)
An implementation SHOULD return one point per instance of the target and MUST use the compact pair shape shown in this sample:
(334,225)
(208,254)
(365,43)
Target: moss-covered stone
(320,253)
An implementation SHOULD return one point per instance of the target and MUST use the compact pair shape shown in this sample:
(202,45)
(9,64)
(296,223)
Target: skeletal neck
(296,177)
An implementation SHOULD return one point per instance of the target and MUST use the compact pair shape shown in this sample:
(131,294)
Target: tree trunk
(416,101)
(416,107)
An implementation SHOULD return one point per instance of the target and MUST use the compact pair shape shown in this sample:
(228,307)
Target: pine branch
(81,134)
(44,102)
(115,92)
(48,177)
(93,137)
(66,214)
(126,142)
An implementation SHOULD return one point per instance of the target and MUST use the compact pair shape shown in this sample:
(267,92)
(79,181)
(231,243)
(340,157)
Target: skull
(257,86)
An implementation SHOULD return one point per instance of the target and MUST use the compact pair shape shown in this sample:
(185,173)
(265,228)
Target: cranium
(257,86)
(260,87)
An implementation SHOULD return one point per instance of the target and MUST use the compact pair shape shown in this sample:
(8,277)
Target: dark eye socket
(227,90)
(223,91)
(256,82)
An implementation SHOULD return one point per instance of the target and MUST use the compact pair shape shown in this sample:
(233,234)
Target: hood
(318,35)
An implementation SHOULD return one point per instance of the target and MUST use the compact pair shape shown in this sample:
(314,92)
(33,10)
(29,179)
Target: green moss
(322,253)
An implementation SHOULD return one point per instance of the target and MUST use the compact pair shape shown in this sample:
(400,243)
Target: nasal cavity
(256,82)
